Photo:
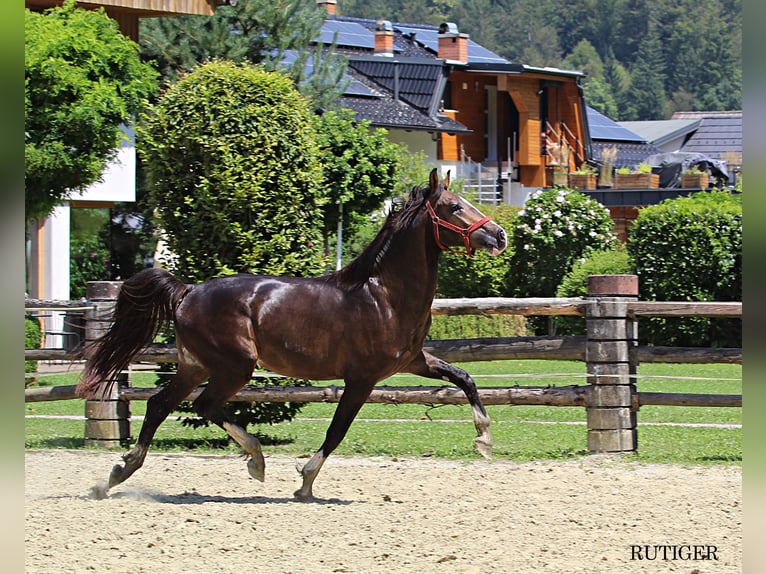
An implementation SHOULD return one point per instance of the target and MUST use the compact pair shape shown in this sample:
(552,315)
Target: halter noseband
(464,232)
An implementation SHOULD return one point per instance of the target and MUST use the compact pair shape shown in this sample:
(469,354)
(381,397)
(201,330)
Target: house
(718,135)
(48,240)
(468,109)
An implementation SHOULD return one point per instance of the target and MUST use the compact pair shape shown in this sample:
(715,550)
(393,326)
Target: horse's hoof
(257,468)
(483,447)
(300,496)
(99,492)
(115,477)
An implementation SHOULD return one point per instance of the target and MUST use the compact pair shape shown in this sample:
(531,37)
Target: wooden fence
(610,350)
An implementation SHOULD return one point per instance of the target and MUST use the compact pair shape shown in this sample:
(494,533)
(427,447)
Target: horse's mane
(367,262)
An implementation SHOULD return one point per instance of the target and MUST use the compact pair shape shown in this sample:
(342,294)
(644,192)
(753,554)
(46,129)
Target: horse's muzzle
(495,240)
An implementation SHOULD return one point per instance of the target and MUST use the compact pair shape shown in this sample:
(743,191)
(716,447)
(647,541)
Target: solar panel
(350,34)
(602,128)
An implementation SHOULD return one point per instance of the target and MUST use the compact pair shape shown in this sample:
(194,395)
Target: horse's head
(457,223)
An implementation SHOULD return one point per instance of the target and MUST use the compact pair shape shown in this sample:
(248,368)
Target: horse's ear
(435,189)
(446,180)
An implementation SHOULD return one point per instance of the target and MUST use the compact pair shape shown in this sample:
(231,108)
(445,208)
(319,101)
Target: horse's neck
(408,270)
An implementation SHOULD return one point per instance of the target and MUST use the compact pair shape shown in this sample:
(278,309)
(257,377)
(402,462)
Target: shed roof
(659,132)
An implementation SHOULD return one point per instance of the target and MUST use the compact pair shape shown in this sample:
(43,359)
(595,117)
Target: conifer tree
(647,97)
(278,34)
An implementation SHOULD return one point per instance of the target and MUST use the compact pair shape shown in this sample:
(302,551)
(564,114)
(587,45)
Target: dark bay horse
(361,324)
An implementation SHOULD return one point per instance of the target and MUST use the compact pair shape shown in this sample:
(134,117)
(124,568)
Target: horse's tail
(146,302)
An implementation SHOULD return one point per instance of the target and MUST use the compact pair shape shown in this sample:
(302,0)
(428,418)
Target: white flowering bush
(556,228)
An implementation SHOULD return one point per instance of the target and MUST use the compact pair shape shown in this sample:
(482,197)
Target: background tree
(360,167)
(646,96)
(598,93)
(83,79)
(277,34)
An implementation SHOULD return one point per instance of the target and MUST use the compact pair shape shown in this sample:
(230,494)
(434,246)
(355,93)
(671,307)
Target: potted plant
(583,178)
(694,178)
(640,178)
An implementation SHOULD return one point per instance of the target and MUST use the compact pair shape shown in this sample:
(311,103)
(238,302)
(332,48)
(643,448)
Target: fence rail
(610,350)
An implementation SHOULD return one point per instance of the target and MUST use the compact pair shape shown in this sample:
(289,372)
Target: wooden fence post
(107,423)
(611,364)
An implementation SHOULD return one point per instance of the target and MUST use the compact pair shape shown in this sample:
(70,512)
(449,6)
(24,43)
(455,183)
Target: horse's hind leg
(350,402)
(158,407)
(426,365)
(210,406)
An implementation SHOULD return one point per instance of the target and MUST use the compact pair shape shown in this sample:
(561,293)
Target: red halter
(465,232)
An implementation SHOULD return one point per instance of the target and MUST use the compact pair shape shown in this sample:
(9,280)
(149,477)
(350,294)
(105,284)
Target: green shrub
(32,339)
(556,228)
(233,166)
(89,261)
(690,249)
(614,261)
(476,326)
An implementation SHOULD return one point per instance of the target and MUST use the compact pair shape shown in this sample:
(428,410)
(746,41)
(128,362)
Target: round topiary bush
(232,165)
(690,249)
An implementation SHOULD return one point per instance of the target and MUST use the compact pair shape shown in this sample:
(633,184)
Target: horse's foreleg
(426,365)
(350,402)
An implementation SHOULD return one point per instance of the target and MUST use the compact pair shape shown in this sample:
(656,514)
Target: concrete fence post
(611,364)
(107,422)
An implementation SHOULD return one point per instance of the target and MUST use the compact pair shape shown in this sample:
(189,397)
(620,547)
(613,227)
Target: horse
(361,324)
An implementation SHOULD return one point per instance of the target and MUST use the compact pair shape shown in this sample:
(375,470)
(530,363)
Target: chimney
(384,39)
(328,5)
(453,46)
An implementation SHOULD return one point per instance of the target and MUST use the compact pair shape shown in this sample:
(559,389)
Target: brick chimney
(453,45)
(328,5)
(384,39)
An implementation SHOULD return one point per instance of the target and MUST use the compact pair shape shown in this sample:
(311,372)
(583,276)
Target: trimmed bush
(233,167)
(556,228)
(690,249)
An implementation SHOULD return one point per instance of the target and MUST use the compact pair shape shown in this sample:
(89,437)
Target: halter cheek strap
(464,232)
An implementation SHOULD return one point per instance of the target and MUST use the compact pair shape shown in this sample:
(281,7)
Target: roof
(605,133)
(719,133)
(659,132)
(405,91)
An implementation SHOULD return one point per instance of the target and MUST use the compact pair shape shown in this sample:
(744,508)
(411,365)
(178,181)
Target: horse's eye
(455,207)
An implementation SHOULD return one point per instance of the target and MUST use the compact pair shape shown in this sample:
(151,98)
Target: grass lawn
(520,433)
